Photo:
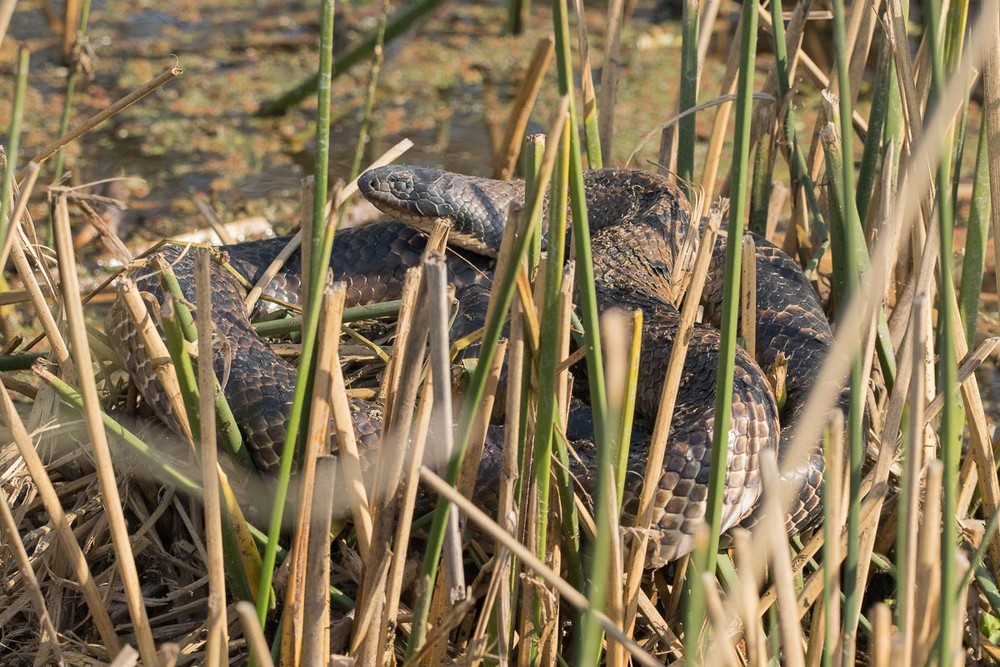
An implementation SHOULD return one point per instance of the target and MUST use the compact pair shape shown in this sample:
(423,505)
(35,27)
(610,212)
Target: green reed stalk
(14,140)
(581,229)
(502,296)
(287,325)
(947,367)
(370,91)
(402,21)
(873,140)
(531,161)
(853,254)
(547,412)
(628,407)
(730,317)
(322,245)
(688,96)
(224,415)
(587,290)
(975,243)
(20,362)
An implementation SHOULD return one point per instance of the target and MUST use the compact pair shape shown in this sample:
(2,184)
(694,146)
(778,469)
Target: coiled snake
(637,220)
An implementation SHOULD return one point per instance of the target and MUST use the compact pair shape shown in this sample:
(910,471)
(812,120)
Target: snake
(638,220)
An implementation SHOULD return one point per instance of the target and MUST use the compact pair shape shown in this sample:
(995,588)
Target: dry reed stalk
(295,242)
(20,204)
(50,327)
(98,437)
(748,296)
(316,625)
(347,445)
(401,539)
(609,76)
(520,111)
(12,540)
(216,635)
(968,366)
(474,452)
(991,121)
(881,636)
(49,149)
(746,597)
(721,650)
(833,553)
(213,221)
(254,635)
(317,445)
(773,524)
(156,350)
(218,652)
(404,322)
(392,454)
(567,592)
(716,142)
(128,657)
(644,513)
(436,289)
(927,567)
(914,457)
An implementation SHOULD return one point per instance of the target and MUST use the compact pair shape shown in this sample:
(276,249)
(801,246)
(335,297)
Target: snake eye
(402,186)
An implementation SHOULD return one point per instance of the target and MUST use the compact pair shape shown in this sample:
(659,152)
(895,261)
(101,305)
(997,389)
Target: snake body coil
(637,222)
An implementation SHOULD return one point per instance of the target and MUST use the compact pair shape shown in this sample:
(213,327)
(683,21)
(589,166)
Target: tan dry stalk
(49,149)
(968,366)
(295,242)
(254,635)
(748,296)
(209,454)
(721,650)
(128,657)
(520,111)
(407,308)
(20,204)
(155,348)
(716,141)
(747,601)
(97,436)
(316,625)
(215,647)
(317,445)
(914,464)
(836,498)
(12,540)
(437,305)
(48,321)
(474,452)
(991,120)
(347,445)
(609,77)
(567,592)
(212,219)
(394,585)
(644,513)
(881,636)
(773,524)
(928,566)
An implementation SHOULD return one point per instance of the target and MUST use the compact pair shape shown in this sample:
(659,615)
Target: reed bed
(129,543)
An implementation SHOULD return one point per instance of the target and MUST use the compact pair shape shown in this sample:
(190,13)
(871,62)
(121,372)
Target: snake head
(420,196)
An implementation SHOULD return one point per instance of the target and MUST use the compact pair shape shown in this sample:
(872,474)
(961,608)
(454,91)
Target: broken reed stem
(520,111)
(97,436)
(219,653)
(316,599)
(568,593)
(748,296)
(47,151)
